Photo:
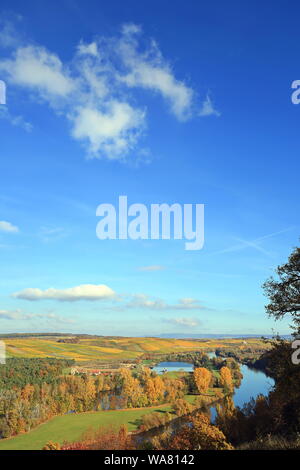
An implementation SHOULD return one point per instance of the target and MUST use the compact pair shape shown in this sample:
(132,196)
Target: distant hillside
(84,348)
(216,336)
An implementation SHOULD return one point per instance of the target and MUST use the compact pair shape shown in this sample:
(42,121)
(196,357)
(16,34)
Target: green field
(71,427)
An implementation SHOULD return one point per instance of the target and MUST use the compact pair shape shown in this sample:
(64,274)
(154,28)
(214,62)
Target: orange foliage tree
(199,435)
(107,438)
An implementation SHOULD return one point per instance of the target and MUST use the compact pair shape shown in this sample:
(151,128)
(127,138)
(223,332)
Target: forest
(34,390)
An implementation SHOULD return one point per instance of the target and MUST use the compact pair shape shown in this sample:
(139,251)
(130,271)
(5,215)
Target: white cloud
(19,316)
(8,227)
(86,49)
(83,292)
(208,108)
(185,322)
(154,267)
(148,69)
(9,36)
(131,28)
(144,301)
(36,68)
(52,234)
(189,303)
(94,90)
(114,131)
(10,315)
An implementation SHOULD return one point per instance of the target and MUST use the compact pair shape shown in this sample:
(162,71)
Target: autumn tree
(226,378)
(202,379)
(144,374)
(174,389)
(199,434)
(155,388)
(104,438)
(51,446)
(154,420)
(182,407)
(132,389)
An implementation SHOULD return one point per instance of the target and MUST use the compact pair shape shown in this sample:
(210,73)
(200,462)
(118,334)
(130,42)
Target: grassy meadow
(71,426)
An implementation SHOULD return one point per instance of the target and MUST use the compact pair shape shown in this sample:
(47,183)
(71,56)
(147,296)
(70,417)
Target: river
(173,367)
(254,382)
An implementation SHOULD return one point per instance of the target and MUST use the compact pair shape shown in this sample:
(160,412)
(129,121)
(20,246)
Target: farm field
(114,349)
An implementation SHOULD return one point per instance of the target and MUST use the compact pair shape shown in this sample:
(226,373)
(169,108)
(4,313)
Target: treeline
(143,387)
(24,407)
(252,357)
(18,372)
(74,340)
(201,359)
(32,335)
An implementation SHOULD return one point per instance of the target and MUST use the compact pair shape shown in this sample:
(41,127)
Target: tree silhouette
(284,293)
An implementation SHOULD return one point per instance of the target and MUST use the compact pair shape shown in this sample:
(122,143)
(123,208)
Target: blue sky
(189,105)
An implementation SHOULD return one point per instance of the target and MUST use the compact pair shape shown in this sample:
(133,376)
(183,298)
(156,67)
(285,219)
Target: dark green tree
(284,292)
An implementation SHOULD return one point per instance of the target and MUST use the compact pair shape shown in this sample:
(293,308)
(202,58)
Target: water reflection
(173,367)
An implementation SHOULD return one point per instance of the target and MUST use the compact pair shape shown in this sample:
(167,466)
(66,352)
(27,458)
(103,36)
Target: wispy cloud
(9,36)
(208,108)
(254,244)
(146,302)
(11,315)
(8,227)
(17,121)
(153,267)
(93,91)
(184,322)
(52,234)
(149,70)
(18,315)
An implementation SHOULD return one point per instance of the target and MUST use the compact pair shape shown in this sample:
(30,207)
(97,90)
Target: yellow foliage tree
(51,446)
(226,378)
(155,389)
(131,389)
(202,379)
